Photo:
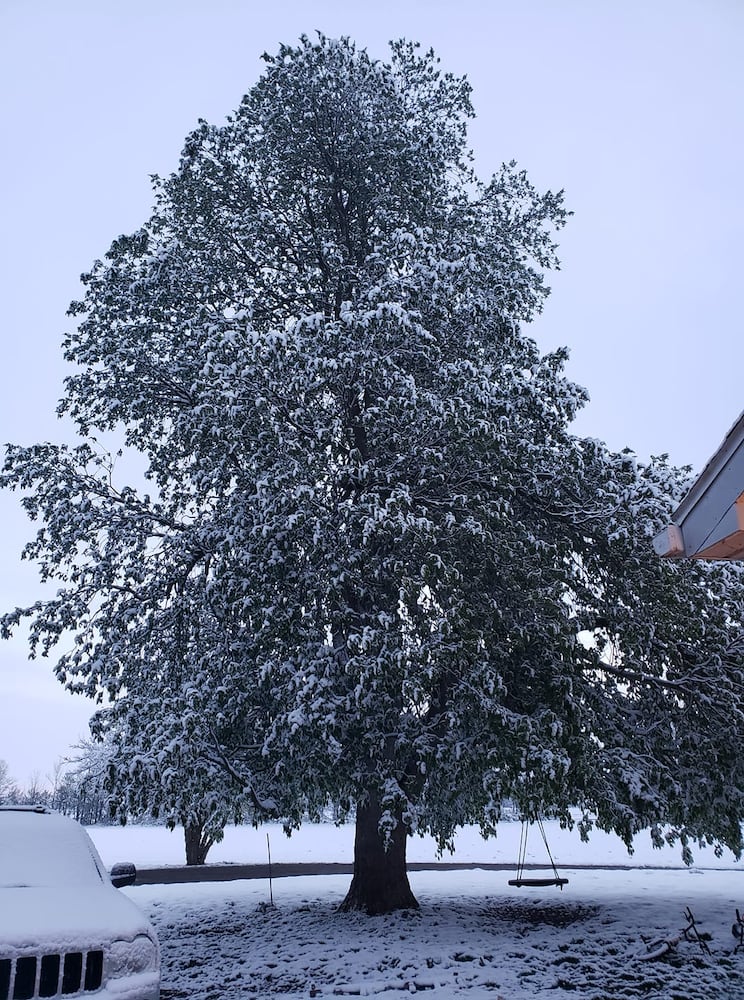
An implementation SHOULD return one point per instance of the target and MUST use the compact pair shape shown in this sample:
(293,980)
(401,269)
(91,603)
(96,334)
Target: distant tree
(80,788)
(111,779)
(202,829)
(35,793)
(156,771)
(8,789)
(374,566)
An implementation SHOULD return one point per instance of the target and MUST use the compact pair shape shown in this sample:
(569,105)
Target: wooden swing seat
(538,883)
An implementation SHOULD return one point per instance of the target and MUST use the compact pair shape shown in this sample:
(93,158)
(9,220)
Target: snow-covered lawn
(474,935)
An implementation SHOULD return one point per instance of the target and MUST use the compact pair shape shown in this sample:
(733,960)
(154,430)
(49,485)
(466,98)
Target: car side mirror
(123,874)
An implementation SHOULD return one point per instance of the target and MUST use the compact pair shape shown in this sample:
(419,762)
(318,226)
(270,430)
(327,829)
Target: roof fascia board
(733,440)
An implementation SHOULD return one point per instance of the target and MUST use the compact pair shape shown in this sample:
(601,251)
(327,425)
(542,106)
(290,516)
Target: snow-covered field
(157,846)
(474,935)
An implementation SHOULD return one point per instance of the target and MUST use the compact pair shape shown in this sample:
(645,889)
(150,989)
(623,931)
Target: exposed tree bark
(380,881)
(197,843)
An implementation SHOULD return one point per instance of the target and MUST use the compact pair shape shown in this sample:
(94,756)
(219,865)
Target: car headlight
(128,958)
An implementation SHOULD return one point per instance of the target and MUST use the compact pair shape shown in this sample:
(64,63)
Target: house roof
(709,523)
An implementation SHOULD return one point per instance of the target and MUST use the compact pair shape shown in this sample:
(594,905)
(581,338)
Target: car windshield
(44,850)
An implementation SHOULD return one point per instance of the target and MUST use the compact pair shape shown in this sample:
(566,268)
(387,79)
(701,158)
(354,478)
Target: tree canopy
(371,565)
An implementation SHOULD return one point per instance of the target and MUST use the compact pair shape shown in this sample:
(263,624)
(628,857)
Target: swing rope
(541,828)
(522,850)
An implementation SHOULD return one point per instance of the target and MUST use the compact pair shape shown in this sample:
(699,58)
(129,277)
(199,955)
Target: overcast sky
(634,107)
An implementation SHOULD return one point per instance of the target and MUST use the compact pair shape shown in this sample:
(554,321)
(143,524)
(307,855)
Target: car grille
(50,975)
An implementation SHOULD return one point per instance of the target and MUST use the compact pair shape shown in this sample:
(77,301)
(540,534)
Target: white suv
(65,931)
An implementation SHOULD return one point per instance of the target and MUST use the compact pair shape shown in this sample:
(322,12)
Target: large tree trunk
(380,882)
(197,843)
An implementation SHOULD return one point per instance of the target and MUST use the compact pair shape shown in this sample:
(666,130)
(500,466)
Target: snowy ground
(474,935)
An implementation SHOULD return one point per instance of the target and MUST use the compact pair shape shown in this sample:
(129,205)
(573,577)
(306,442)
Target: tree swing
(520,881)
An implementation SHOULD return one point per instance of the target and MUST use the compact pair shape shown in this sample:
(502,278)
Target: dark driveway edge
(174,874)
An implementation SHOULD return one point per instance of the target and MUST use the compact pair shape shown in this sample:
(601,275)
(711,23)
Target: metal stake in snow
(271,888)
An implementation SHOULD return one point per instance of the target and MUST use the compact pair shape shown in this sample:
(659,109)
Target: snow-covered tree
(373,565)
(8,788)
(141,773)
(155,769)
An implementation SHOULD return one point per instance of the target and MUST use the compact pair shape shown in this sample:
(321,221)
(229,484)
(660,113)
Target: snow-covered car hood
(32,917)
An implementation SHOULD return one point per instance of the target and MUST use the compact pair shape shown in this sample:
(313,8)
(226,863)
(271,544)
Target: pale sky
(634,107)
